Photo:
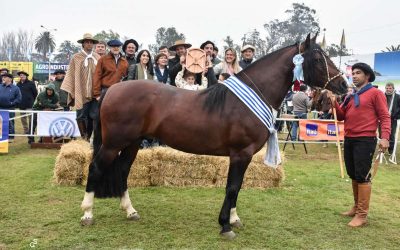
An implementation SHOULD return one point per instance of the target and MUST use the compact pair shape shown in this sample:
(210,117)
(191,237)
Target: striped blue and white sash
(262,111)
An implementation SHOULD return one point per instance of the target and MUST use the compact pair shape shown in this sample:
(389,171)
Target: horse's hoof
(228,235)
(237,224)
(87,221)
(133,216)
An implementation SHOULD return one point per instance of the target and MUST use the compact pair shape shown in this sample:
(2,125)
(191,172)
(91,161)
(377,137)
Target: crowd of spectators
(99,65)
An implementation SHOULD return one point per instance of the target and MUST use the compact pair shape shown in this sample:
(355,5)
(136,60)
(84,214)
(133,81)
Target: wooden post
(338,143)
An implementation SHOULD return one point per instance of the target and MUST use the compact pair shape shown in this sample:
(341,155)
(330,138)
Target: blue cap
(114,43)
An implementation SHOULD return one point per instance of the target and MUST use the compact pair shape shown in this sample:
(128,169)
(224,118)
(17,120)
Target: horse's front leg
(234,219)
(87,207)
(237,168)
(126,205)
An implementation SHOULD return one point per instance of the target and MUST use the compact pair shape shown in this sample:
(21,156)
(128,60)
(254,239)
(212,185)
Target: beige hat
(88,36)
(180,43)
(248,46)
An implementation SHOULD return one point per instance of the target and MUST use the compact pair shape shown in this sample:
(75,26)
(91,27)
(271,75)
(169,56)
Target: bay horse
(208,122)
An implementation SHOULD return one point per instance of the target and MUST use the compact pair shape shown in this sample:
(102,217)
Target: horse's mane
(215,97)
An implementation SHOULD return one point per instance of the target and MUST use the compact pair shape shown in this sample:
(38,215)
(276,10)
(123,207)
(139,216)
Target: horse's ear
(307,42)
(314,39)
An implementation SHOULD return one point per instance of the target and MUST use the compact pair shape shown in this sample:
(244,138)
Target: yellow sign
(14,67)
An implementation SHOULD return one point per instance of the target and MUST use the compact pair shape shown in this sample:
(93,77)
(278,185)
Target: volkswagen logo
(62,127)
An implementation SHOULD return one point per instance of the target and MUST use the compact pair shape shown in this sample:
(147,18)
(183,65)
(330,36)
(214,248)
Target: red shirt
(363,120)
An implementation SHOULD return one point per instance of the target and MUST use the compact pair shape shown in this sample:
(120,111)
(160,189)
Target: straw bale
(257,175)
(163,166)
(175,168)
(70,162)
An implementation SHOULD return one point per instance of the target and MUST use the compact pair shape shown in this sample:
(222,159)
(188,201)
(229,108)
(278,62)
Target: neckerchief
(356,95)
(161,77)
(88,56)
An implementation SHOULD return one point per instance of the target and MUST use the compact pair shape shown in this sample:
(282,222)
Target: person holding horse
(362,111)
(78,82)
(110,69)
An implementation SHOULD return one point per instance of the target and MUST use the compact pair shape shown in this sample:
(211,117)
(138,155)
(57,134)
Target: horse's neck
(272,75)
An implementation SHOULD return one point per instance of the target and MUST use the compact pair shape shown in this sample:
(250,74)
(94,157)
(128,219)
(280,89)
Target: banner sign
(43,68)
(57,124)
(315,130)
(4,120)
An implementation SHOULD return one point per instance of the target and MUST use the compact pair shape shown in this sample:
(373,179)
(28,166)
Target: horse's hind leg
(103,158)
(237,168)
(127,157)
(234,219)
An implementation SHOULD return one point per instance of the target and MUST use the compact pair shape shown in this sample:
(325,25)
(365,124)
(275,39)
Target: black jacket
(395,114)
(28,92)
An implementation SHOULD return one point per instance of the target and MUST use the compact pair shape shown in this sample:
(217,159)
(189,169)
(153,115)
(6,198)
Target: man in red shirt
(361,112)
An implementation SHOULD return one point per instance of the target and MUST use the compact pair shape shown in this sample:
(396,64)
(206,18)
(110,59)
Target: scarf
(89,56)
(356,95)
(161,77)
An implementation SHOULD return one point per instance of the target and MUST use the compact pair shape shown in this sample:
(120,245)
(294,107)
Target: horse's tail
(108,181)
(97,139)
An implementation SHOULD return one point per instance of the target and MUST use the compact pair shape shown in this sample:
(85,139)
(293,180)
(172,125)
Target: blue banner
(4,123)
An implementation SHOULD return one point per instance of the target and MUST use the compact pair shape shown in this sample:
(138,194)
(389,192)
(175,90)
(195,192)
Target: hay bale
(163,166)
(257,175)
(170,167)
(70,162)
(139,176)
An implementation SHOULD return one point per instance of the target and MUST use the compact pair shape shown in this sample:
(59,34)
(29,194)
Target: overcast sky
(370,26)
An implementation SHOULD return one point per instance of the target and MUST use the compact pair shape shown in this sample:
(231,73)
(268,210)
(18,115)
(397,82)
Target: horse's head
(319,70)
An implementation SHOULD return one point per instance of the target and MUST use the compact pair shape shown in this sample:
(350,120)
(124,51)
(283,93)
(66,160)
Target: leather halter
(329,79)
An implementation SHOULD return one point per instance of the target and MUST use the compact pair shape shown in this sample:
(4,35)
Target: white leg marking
(126,204)
(234,217)
(87,205)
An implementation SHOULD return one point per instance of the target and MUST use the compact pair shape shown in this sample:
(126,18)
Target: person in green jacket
(62,94)
(46,100)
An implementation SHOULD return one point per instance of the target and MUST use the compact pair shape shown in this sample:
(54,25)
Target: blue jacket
(10,96)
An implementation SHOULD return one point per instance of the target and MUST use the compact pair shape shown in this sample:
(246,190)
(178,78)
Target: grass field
(302,214)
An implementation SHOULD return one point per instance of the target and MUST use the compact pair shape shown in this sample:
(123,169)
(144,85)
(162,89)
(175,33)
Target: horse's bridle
(329,79)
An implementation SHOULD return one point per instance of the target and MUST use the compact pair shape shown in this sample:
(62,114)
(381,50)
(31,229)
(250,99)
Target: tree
(16,46)
(253,38)
(392,48)
(65,51)
(334,50)
(106,35)
(230,44)
(301,21)
(165,37)
(45,43)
